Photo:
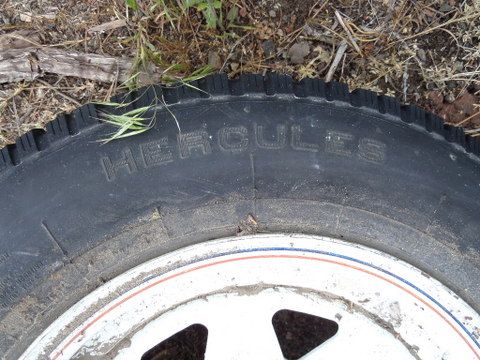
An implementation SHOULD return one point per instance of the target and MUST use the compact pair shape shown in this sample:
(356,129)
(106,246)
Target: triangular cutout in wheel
(187,344)
(299,333)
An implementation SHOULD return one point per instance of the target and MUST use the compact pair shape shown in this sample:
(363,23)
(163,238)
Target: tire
(304,157)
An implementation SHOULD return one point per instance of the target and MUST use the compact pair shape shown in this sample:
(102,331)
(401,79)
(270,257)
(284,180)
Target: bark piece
(17,65)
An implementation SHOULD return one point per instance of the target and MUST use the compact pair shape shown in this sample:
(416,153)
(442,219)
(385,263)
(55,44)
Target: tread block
(25,145)
(335,91)
(472,145)
(252,83)
(278,84)
(13,155)
(58,128)
(5,159)
(454,134)
(81,118)
(437,124)
(170,94)
(449,132)
(412,114)
(191,92)
(312,87)
(388,105)
(236,87)
(40,138)
(364,98)
(215,85)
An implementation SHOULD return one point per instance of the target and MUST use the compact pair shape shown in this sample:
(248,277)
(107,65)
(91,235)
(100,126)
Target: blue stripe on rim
(470,335)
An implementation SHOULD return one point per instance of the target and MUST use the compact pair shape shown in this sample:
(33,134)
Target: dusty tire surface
(304,157)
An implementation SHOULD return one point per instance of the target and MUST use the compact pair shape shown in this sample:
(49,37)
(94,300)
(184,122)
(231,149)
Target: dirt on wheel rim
(423,52)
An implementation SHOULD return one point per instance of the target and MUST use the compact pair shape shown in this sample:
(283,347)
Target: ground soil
(424,52)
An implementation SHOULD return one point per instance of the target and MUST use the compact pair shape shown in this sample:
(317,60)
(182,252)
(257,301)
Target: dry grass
(426,51)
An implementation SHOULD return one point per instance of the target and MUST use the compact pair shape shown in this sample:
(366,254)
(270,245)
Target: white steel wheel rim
(384,307)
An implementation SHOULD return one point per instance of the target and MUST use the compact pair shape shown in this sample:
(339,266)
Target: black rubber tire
(302,157)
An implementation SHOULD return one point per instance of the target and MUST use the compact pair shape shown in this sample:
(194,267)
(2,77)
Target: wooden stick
(30,63)
(338,57)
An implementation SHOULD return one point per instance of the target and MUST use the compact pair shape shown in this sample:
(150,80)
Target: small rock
(446,7)
(268,48)
(298,51)
(214,60)
(422,55)
(25,17)
(272,13)
(451,84)
(449,98)
(234,66)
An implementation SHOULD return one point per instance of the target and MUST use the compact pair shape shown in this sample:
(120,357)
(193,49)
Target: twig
(325,3)
(466,119)
(111,25)
(333,31)
(348,31)
(449,22)
(405,82)
(65,96)
(232,50)
(338,57)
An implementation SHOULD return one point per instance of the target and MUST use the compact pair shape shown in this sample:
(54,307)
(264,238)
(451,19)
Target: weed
(136,121)
(131,123)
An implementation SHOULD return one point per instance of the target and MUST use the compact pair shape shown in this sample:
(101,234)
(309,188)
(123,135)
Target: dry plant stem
(65,96)
(314,15)
(347,30)
(338,57)
(111,25)
(238,42)
(467,119)
(333,32)
(476,14)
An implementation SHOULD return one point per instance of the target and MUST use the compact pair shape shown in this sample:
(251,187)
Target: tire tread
(69,125)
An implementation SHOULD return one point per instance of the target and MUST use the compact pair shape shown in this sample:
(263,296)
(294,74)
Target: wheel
(278,220)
